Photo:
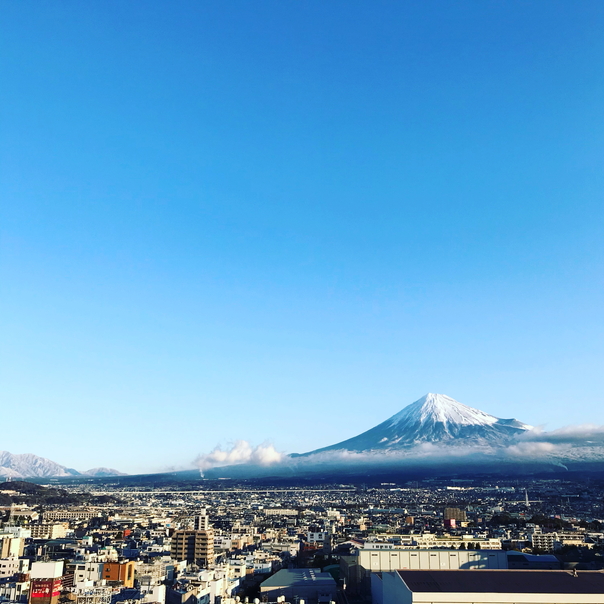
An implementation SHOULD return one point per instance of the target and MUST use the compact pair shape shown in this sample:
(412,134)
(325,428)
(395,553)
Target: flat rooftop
(504,581)
(287,577)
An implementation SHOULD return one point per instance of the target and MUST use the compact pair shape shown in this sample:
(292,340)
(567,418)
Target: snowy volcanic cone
(439,436)
(434,418)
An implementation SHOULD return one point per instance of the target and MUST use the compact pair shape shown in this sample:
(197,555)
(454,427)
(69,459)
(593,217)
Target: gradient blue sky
(285,220)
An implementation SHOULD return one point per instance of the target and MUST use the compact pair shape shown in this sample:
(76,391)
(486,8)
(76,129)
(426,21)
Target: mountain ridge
(28,465)
(434,418)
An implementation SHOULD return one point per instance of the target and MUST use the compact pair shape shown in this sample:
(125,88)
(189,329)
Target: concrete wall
(431,559)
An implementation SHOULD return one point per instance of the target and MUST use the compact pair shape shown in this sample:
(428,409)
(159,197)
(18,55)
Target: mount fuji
(436,435)
(434,418)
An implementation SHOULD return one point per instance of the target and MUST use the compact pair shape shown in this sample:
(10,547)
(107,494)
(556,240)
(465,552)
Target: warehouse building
(488,586)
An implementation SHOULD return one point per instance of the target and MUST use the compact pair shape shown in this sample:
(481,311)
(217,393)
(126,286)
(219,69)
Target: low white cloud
(241,452)
(583,434)
(531,449)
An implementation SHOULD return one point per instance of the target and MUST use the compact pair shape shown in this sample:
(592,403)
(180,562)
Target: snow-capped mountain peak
(27,465)
(434,418)
(444,409)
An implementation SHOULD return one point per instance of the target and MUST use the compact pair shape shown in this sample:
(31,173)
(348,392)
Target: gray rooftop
(299,577)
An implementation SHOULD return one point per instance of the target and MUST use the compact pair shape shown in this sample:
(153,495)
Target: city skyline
(282,223)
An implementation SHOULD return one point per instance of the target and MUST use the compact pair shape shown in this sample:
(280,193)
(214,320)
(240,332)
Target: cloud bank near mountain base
(241,452)
(584,442)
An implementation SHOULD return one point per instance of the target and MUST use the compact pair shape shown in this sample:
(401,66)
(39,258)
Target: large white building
(356,570)
(400,559)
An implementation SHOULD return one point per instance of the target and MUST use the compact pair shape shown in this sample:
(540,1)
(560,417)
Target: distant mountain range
(435,434)
(28,465)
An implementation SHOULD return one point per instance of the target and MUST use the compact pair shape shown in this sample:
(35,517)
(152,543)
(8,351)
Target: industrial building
(356,570)
(492,586)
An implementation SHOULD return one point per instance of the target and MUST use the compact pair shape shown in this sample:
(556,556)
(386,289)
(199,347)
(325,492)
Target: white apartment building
(544,541)
(71,514)
(11,546)
(280,512)
(317,537)
(204,586)
(86,574)
(100,594)
(428,540)
(13,565)
(49,530)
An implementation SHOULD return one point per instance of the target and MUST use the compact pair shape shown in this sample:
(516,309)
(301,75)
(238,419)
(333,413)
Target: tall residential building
(201,522)
(195,546)
(455,514)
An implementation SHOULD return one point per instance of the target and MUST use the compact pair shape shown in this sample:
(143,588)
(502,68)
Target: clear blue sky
(287,220)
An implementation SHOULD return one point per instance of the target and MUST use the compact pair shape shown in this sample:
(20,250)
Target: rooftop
(504,581)
(299,576)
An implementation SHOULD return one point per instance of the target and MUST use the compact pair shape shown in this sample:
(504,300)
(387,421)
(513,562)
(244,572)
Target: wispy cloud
(580,435)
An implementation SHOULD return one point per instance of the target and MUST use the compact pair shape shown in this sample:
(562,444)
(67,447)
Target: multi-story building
(430,540)
(71,514)
(280,512)
(15,590)
(544,541)
(45,530)
(46,582)
(12,566)
(195,546)
(93,595)
(85,573)
(122,572)
(11,546)
(456,514)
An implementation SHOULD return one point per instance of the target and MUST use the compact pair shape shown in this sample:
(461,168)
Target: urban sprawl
(220,543)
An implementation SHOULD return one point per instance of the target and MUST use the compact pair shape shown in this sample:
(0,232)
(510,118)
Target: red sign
(45,588)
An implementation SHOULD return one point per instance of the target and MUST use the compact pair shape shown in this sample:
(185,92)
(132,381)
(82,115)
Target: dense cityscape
(215,542)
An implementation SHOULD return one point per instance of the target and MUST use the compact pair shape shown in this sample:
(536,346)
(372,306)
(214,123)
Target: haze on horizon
(283,222)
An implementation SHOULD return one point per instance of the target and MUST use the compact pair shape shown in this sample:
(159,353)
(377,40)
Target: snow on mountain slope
(434,418)
(28,465)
